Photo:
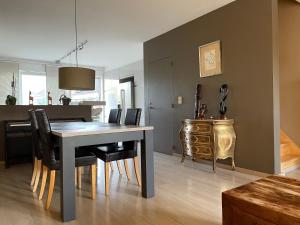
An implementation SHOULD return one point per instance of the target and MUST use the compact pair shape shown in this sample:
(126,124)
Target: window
(37,85)
(95,95)
(111,93)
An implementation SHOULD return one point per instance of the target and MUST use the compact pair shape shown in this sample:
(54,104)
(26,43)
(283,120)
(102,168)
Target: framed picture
(210,59)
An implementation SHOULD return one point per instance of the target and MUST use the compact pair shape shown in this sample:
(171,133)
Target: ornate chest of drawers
(208,139)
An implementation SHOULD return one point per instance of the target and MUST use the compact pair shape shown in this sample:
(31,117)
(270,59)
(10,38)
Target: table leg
(147,164)
(67,176)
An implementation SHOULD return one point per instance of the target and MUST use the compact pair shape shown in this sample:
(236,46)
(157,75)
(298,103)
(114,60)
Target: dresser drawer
(201,150)
(195,139)
(198,128)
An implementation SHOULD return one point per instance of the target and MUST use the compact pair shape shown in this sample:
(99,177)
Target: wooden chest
(273,200)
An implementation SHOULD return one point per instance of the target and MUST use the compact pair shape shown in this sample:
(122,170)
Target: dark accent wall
(20,112)
(248,32)
(289,63)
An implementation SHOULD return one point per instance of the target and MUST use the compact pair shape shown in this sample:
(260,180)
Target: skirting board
(290,169)
(227,167)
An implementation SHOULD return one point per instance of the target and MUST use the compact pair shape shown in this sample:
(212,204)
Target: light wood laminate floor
(186,194)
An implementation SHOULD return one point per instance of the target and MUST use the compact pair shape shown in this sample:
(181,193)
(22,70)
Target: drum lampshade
(76,78)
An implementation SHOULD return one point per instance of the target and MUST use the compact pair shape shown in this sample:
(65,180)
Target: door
(160,104)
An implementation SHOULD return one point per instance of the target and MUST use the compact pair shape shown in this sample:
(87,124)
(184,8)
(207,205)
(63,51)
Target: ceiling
(115,29)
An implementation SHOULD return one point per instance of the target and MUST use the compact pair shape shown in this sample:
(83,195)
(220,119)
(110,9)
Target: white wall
(135,69)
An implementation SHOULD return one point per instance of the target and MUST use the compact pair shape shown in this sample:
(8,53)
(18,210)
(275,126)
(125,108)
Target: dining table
(70,135)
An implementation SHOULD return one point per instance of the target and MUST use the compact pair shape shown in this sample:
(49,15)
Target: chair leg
(51,188)
(44,180)
(119,168)
(127,169)
(75,177)
(111,166)
(79,183)
(38,174)
(93,180)
(136,170)
(106,178)
(34,171)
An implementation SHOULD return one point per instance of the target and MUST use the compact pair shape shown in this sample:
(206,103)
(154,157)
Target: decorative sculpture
(11,99)
(223,97)
(49,99)
(30,98)
(202,111)
(64,99)
(198,101)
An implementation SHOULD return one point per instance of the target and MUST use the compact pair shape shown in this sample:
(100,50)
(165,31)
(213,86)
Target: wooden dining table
(70,135)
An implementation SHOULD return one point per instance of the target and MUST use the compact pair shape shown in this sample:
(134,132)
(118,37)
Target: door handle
(151,107)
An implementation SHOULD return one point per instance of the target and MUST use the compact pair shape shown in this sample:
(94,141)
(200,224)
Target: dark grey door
(160,104)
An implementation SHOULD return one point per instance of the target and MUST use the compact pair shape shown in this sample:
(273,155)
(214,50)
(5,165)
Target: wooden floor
(186,194)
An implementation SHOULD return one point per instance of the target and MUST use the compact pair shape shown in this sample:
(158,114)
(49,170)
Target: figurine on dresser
(223,97)
(203,111)
(198,101)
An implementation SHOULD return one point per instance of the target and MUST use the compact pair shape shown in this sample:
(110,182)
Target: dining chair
(128,150)
(114,118)
(36,152)
(51,159)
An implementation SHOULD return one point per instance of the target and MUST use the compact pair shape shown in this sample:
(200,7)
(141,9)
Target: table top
(272,194)
(73,129)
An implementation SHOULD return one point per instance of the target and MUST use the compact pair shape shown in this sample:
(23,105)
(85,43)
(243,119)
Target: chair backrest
(114,116)
(36,144)
(133,116)
(45,137)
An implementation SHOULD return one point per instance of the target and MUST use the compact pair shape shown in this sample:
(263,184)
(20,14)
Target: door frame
(131,80)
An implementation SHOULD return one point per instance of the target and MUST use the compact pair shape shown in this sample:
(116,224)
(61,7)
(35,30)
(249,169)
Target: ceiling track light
(79,47)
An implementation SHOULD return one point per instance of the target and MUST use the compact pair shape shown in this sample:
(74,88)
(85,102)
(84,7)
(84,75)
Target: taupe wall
(289,46)
(20,112)
(247,29)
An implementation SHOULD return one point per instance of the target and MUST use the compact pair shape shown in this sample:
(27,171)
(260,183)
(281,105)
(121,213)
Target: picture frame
(210,59)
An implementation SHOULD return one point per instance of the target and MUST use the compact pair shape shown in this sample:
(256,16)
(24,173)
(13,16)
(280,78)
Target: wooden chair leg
(111,166)
(44,180)
(38,174)
(93,169)
(79,183)
(137,170)
(51,188)
(106,169)
(119,168)
(127,169)
(34,171)
(75,177)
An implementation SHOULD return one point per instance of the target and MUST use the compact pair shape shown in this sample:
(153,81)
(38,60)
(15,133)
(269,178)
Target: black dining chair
(51,157)
(36,151)
(128,150)
(114,118)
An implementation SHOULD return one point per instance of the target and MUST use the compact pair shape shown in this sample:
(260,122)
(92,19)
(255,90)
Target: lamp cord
(76,38)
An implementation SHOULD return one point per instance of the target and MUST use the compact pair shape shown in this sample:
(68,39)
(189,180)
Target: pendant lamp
(76,78)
